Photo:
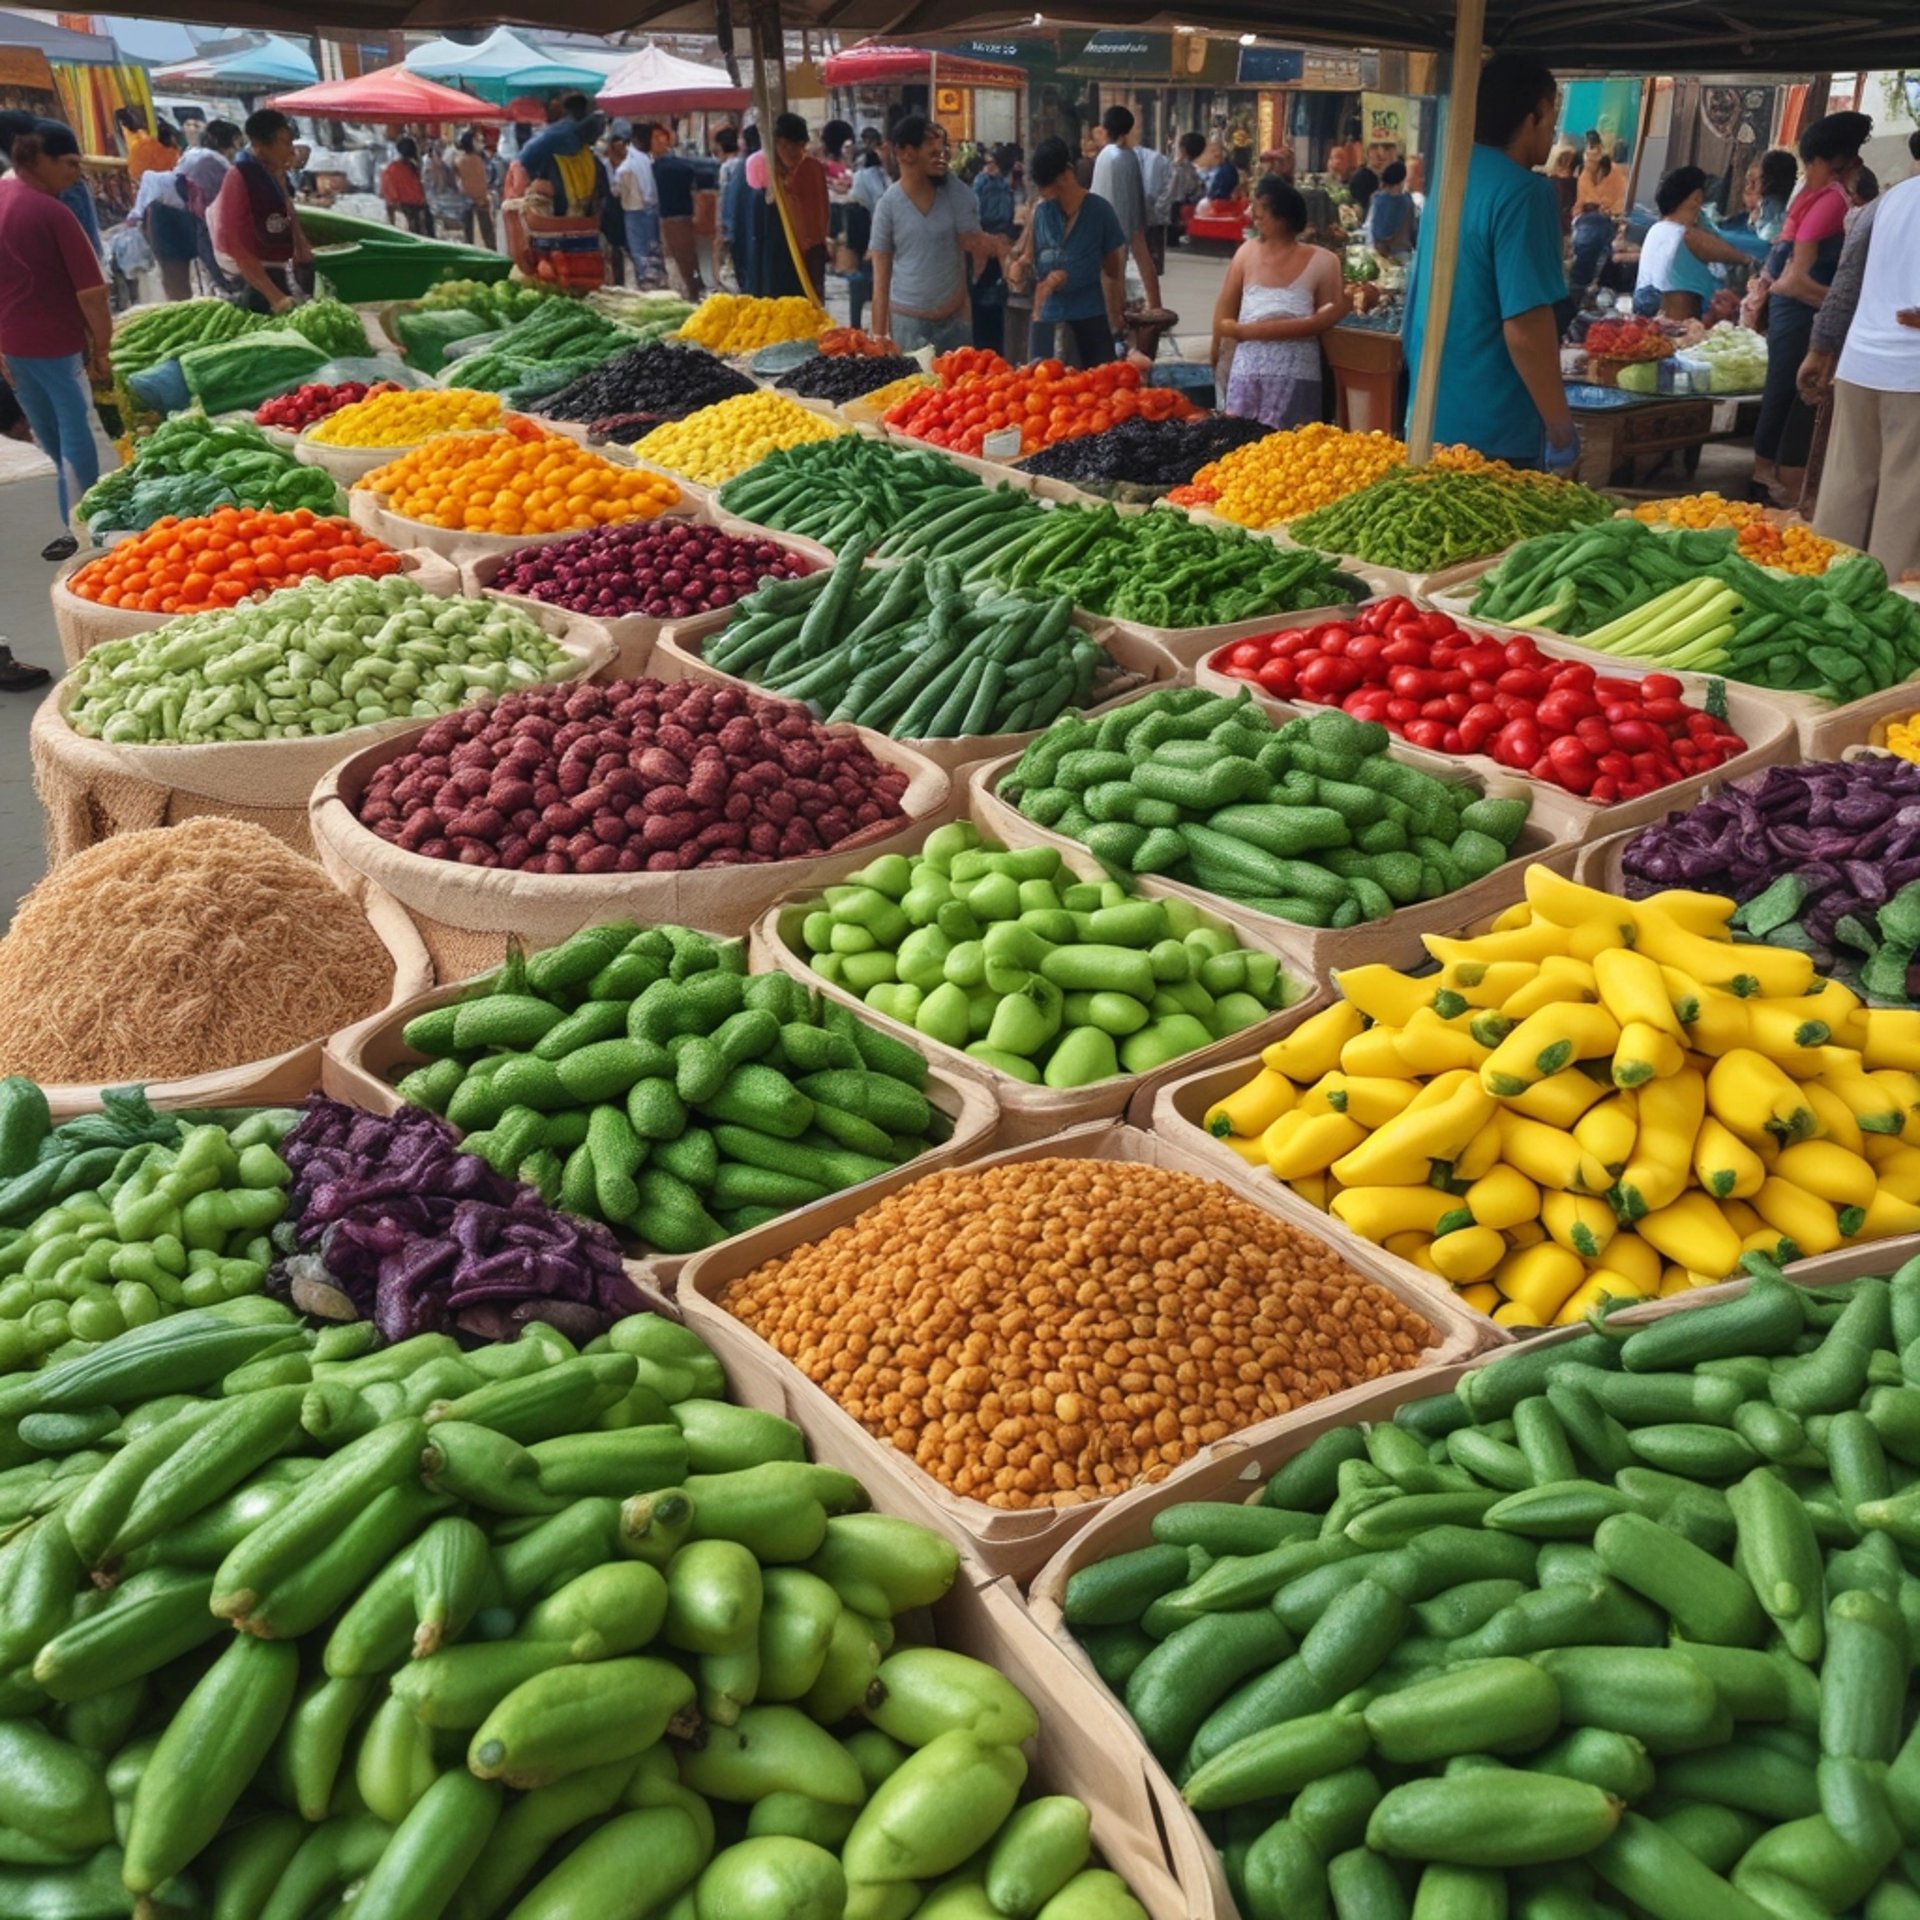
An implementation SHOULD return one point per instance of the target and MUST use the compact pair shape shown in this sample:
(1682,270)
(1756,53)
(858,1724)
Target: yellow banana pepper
(1837,1176)
(1580,1222)
(1609,1130)
(1251,1109)
(1694,1232)
(1866,1099)
(1834,1118)
(1560,1099)
(1633,988)
(1558,979)
(1539,1280)
(1751,1095)
(1313,1047)
(1374,1054)
(1726,1167)
(1646,1053)
(1887,1215)
(1812,1224)
(1383,993)
(1502,1197)
(1377,1213)
(1298,1144)
(1550,1156)
(1670,1113)
(1469,1255)
(1448,1112)
(1546,1043)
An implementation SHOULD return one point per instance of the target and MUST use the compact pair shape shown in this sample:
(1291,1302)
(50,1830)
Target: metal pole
(1442,236)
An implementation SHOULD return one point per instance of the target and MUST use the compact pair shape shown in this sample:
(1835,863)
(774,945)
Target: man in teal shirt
(1500,386)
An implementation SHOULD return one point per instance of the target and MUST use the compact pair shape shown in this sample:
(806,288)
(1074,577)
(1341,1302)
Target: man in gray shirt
(924,229)
(1117,180)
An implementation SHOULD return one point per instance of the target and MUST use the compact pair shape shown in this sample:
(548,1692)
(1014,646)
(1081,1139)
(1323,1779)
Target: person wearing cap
(55,323)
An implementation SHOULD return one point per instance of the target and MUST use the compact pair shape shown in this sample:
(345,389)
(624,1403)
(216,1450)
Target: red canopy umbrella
(389,94)
(526,109)
(872,63)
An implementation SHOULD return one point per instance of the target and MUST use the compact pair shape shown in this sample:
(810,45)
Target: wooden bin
(1821,730)
(1234,1471)
(1028,1112)
(1001,1541)
(360,1064)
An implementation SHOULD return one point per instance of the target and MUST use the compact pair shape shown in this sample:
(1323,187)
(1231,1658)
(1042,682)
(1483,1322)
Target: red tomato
(1636,736)
(1401,711)
(1329,677)
(1660,686)
(1517,744)
(1400,651)
(1332,636)
(1431,734)
(1365,648)
(1278,677)
(1524,683)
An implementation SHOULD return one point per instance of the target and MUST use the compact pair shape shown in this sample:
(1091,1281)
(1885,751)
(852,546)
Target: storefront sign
(25,67)
(1333,73)
(1386,119)
(1271,66)
(1124,52)
(1017,52)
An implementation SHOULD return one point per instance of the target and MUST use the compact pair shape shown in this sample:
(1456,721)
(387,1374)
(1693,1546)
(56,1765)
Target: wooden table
(1637,435)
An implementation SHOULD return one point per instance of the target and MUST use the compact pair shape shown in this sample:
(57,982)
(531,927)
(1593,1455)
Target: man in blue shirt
(1500,386)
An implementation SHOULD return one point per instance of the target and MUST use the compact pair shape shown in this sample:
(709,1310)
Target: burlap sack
(91,789)
(82,625)
(465,914)
(288,1077)
(634,634)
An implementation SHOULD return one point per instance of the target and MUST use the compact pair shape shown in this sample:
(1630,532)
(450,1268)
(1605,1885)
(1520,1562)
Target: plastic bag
(371,368)
(161,389)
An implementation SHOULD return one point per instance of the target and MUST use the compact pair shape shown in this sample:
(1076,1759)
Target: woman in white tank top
(1280,295)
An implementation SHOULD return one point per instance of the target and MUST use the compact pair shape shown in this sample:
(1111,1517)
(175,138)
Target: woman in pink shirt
(1799,271)
(54,318)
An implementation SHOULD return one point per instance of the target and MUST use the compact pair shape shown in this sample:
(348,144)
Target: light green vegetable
(310,660)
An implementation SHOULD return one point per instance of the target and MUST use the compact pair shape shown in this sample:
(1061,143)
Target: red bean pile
(667,569)
(636,776)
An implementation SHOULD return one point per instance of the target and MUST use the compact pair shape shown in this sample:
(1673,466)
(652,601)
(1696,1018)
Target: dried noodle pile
(179,951)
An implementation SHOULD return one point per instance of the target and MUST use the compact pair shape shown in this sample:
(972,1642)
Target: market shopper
(403,189)
(674,180)
(804,195)
(925,228)
(1798,273)
(1280,296)
(1391,226)
(470,169)
(1499,348)
(1865,358)
(145,151)
(1076,251)
(993,191)
(1156,180)
(726,150)
(55,324)
(1188,185)
(201,169)
(869,185)
(743,203)
(1118,180)
(256,233)
(1593,231)
(161,212)
(639,202)
(1678,255)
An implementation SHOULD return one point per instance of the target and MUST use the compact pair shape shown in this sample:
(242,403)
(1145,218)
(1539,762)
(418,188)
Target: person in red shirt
(404,191)
(256,233)
(54,324)
(803,189)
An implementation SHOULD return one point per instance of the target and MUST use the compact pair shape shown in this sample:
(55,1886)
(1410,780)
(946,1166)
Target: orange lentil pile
(1052,1331)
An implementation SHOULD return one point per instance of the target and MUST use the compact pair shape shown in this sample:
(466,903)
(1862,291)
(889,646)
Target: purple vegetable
(421,1237)
(667,569)
(1848,831)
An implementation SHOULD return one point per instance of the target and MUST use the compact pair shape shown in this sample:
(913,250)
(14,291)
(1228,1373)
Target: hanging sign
(1272,66)
(1386,119)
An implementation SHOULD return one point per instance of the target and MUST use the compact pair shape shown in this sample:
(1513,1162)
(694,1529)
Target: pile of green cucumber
(639,1077)
(292,1626)
(1624,1624)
